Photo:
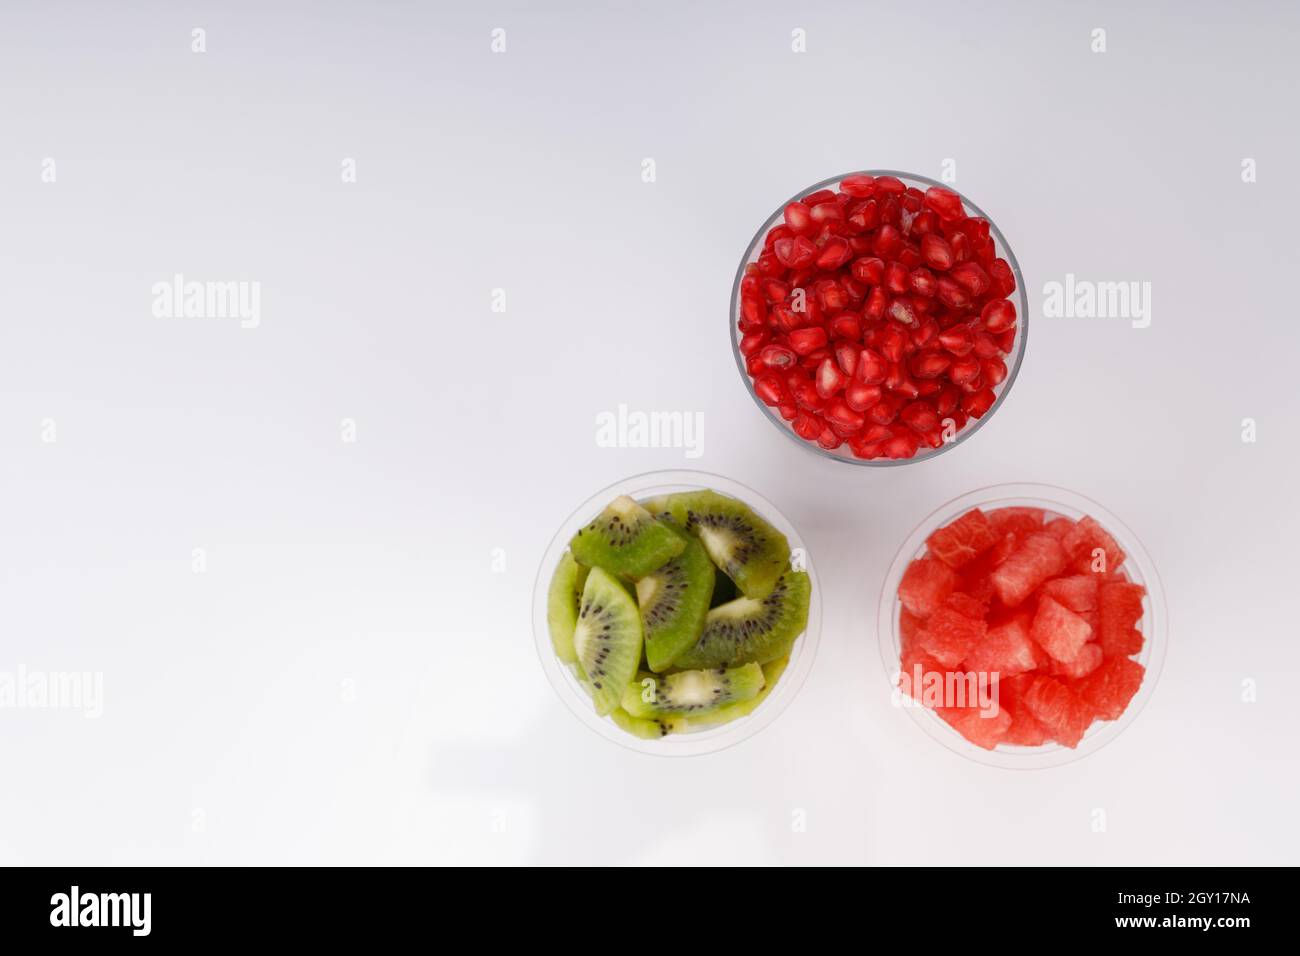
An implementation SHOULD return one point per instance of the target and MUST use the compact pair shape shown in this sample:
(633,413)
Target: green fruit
(607,638)
(723,715)
(643,727)
(724,589)
(746,629)
(691,692)
(748,550)
(625,540)
(562,606)
(674,600)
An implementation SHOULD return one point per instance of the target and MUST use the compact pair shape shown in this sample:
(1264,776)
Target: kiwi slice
(745,547)
(749,629)
(562,606)
(625,539)
(607,638)
(644,727)
(691,692)
(674,600)
(724,589)
(772,672)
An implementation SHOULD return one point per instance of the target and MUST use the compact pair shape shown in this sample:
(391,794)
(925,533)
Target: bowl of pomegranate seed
(878,318)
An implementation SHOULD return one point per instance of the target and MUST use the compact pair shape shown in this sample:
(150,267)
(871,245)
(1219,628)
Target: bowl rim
(1137,559)
(926,454)
(713,739)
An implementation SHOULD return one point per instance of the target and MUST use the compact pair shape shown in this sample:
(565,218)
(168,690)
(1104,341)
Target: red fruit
(929,365)
(1078,593)
(978,403)
(1058,630)
(983,728)
(998,315)
(846,325)
(829,378)
(826,212)
(1039,557)
(948,635)
(1120,604)
(806,341)
(945,202)
(838,413)
(829,440)
(995,371)
(876,302)
(892,342)
(958,340)
(884,411)
(835,253)
(869,269)
(888,242)
(890,186)
(858,185)
(777,356)
(1108,690)
(859,396)
(922,282)
(920,416)
(1006,651)
(846,357)
(805,394)
(951,293)
(1061,712)
(902,310)
(798,217)
(895,278)
(751,342)
(1085,662)
(971,277)
(946,399)
(775,290)
(1004,281)
(771,390)
(963,540)
(962,370)
(902,444)
(872,367)
(986,346)
(1092,549)
(794,253)
(807,427)
(936,252)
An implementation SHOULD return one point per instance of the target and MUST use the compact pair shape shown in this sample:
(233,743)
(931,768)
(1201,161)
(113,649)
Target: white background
(350,680)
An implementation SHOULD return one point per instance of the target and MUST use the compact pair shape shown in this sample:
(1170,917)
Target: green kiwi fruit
(772,672)
(674,599)
(607,638)
(744,546)
(691,692)
(749,629)
(626,540)
(644,727)
(562,606)
(724,589)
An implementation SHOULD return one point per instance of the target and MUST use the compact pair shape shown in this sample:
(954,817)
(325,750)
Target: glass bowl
(1013,359)
(711,739)
(1137,565)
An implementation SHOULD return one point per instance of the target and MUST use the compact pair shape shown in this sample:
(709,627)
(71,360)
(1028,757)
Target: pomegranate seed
(960,247)
(777,356)
(986,347)
(829,378)
(846,357)
(813,360)
(835,253)
(890,185)
(805,393)
(846,325)
(896,278)
(776,290)
(921,281)
(902,445)
(892,341)
(1004,281)
(909,256)
(945,202)
(829,440)
(799,218)
(924,333)
(951,294)
(936,251)
(806,341)
(946,399)
(820,196)
(860,396)
(866,216)
(929,364)
(795,253)
(971,277)
(827,212)
(920,416)
(839,413)
(859,185)
(771,390)
(751,342)
(977,404)
(1006,340)
(964,370)
(902,310)
(974,385)
(928,386)
(957,340)
(807,427)
(900,383)
(854,289)
(888,242)
(876,302)
(872,367)
(788,410)
(999,315)
(995,371)
(884,411)
(870,270)
(926,222)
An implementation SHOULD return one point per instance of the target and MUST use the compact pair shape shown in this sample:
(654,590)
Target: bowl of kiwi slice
(677,613)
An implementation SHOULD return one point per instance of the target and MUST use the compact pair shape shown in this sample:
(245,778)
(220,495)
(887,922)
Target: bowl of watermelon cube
(1023,626)
(677,613)
(878,318)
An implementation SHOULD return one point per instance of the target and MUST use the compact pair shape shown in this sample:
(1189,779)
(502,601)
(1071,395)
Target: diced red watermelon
(948,635)
(965,539)
(1017,521)
(1058,630)
(1120,605)
(1039,557)
(1083,543)
(908,626)
(907,678)
(1005,650)
(1062,713)
(975,725)
(1025,729)
(1108,689)
(1078,592)
(1059,527)
(926,584)
(1085,662)
(968,604)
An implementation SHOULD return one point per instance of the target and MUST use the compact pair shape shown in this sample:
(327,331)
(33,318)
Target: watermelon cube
(910,680)
(1108,689)
(926,584)
(1091,548)
(1006,650)
(1058,630)
(1017,521)
(949,635)
(1025,730)
(1120,606)
(965,539)
(908,626)
(1078,592)
(1039,557)
(1059,527)
(1059,709)
(979,727)
(1085,662)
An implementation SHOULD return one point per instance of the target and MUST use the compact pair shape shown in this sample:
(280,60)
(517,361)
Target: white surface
(372,563)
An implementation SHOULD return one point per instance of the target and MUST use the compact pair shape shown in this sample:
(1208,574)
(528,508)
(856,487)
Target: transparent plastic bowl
(710,739)
(1138,566)
(1013,359)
